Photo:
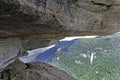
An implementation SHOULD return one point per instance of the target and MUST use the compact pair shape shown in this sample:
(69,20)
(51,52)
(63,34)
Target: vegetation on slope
(104,53)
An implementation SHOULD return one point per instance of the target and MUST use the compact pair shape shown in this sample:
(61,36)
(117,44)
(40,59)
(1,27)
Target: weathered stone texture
(33,71)
(9,49)
(82,15)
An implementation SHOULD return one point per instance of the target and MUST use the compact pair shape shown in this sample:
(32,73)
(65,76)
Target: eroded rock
(33,71)
(9,49)
(18,17)
(82,15)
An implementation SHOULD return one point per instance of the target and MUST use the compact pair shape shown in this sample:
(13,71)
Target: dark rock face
(34,42)
(33,71)
(22,16)
(9,49)
(82,15)
(49,18)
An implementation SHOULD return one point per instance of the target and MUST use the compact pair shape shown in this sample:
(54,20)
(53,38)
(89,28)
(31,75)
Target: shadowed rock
(9,49)
(81,15)
(33,71)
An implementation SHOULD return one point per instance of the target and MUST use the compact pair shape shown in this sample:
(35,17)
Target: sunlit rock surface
(84,58)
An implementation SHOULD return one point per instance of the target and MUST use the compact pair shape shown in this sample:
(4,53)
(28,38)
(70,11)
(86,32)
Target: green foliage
(106,60)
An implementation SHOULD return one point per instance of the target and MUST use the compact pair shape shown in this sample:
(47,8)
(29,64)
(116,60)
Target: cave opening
(83,57)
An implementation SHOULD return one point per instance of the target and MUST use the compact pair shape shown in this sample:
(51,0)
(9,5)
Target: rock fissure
(108,6)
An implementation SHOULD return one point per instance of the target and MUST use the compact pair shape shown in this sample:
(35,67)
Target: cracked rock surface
(82,15)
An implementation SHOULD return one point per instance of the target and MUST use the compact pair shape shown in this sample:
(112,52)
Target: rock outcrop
(82,15)
(10,48)
(30,24)
(33,71)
